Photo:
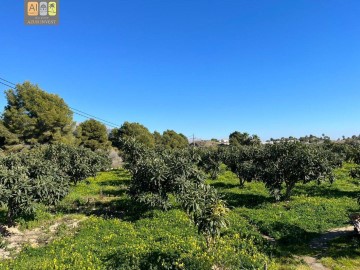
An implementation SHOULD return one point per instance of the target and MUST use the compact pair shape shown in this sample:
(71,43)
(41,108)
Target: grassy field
(116,233)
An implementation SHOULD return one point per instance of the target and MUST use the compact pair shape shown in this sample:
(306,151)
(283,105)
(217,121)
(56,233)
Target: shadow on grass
(321,191)
(124,208)
(150,260)
(292,240)
(115,182)
(346,246)
(112,202)
(247,200)
(222,185)
(114,193)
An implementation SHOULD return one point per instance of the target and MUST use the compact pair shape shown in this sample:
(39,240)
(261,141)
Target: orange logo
(33,9)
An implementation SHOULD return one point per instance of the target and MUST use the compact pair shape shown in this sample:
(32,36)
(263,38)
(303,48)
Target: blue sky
(203,67)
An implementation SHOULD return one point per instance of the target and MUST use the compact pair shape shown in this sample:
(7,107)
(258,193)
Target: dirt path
(16,239)
(321,243)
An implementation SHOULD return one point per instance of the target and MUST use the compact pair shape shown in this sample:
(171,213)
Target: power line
(110,123)
(8,81)
(7,85)
(92,118)
(75,111)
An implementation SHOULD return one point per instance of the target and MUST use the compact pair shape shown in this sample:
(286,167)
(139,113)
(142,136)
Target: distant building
(224,142)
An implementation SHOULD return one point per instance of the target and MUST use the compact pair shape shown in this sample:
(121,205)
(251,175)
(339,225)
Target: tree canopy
(173,140)
(36,116)
(157,138)
(237,139)
(93,134)
(132,130)
(6,137)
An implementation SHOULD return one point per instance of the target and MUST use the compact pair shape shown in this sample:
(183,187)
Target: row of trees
(157,173)
(43,175)
(168,140)
(282,165)
(33,116)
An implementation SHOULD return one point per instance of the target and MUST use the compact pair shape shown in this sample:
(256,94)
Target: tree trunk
(242,181)
(289,188)
(10,213)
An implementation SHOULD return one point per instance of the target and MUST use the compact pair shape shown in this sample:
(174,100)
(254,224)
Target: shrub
(25,180)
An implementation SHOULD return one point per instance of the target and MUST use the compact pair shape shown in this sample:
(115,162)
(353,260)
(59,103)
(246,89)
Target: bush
(43,175)
(25,180)
(156,174)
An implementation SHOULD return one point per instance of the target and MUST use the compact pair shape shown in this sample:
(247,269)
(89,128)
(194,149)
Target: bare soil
(16,239)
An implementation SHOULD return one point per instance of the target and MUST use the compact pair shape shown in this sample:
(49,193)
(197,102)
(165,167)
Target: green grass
(313,209)
(121,234)
(343,253)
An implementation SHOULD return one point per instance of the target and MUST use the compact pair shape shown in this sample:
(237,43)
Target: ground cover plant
(161,212)
(139,237)
(118,233)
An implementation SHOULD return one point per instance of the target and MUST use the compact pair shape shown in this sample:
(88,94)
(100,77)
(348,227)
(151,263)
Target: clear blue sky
(272,68)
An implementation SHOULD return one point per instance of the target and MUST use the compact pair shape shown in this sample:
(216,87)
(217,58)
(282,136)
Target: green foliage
(36,116)
(153,240)
(43,175)
(93,134)
(158,139)
(355,172)
(281,163)
(133,152)
(210,161)
(206,208)
(132,130)
(292,162)
(114,138)
(242,161)
(76,162)
(6,137)
(172,140)
(313,209)
(164,242)
(150,182)
(237,139)
(157,174)
(343,253)
(26,180)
